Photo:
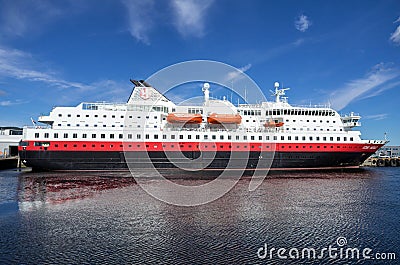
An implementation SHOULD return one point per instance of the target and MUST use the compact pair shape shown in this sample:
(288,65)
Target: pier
(382,162)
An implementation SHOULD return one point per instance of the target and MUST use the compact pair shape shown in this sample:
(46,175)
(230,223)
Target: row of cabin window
(105,116)
(300,112)
(105,125)
(251,112)
(197,137)
(315,129)
(313,121)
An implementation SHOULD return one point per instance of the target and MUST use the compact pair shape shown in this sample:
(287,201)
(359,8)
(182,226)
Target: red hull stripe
(197,146)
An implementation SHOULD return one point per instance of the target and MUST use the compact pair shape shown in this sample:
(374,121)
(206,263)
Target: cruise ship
(151,131)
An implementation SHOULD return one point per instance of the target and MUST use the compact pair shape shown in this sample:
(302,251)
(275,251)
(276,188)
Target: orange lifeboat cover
(215,118)
(184,118)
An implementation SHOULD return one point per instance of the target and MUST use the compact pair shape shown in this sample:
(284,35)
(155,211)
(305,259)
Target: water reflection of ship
(35,190)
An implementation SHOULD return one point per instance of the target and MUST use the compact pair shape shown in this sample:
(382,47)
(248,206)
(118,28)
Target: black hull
(7,163)
(70,160)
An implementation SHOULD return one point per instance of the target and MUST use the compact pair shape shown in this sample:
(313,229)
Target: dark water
(75,218)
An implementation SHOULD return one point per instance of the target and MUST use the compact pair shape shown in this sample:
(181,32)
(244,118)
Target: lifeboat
(184,118)
(273,124)
(215,118)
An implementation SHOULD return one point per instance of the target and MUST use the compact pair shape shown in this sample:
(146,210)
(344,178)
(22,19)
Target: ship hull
(221,160)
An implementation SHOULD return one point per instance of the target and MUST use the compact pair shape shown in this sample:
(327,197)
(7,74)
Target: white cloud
(395,36)
(20,65)
(377,117)
(355,89)
(302,23)
(6,103)
(140,16)
(237,75)
(190,16)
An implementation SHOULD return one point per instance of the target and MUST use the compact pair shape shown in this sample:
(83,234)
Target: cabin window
(296,138)
(103,136)
(36,135)
(344,138)
(104,116)
(55,135)
(197,136)
(252,137)
(181,136)
(77,115)
(120,136)
(59,115)
(324,138)
(147,136)
(69,115)
(282,137)
(338,138)
(164,136)
(87,115)
(303,138)
(311,138)
(221,137)
(189,136)
(260,137)
(46,135)
(113,116)
(93,135)
(111,136)
(351,139)
(237,137)
(65,135)
(214,137)
(267,138)
(229,137)
(173,137)
(75,135)
(317,138)
(84,135)
(244,137)
(289,138)
(130,136)
(275,138)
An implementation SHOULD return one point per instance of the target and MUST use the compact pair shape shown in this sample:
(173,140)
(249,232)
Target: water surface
(86,218)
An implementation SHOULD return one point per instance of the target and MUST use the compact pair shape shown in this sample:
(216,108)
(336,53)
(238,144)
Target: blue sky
(64,52)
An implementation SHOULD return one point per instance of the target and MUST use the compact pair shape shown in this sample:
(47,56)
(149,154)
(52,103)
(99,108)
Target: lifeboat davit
(184,118)
(273,124)
(215,118)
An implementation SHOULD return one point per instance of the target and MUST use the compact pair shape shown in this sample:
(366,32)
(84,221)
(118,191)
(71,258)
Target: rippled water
(82,218)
